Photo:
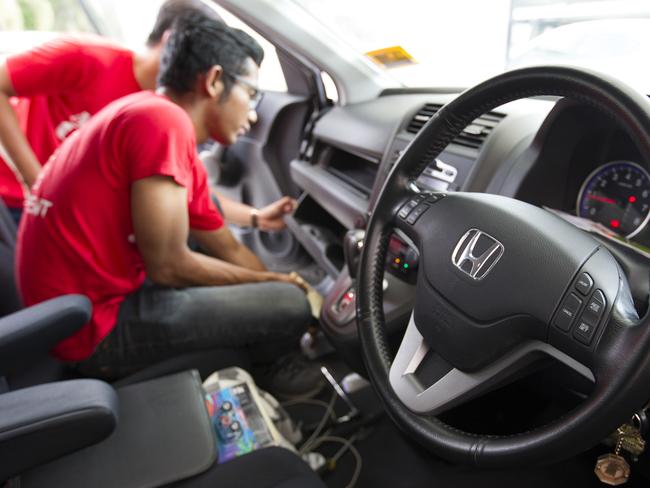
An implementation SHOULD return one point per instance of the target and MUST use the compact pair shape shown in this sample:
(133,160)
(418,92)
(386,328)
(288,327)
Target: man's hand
(293,279)
(271,217)
(268,218)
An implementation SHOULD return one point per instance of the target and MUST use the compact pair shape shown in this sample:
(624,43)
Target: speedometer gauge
(617,195)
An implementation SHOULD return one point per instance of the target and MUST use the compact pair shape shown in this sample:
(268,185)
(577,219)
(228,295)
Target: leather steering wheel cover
(618,391)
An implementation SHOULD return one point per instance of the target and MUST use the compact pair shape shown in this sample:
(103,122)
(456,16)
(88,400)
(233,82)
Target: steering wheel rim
(620,363)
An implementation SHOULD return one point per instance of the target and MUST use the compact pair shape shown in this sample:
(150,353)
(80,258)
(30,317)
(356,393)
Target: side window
(44,15)
(271,76)
(26,23)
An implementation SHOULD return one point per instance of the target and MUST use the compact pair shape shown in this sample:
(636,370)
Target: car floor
(390,459)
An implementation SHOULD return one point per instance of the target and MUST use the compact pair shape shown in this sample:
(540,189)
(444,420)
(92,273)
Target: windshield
(461,42)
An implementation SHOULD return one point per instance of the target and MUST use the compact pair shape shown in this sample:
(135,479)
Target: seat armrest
(44,422)
(31,333)
(164,435)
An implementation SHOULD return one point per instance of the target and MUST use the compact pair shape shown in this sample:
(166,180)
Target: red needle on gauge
(598,198)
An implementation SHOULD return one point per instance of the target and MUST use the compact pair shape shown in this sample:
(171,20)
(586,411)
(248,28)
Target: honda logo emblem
(476,254)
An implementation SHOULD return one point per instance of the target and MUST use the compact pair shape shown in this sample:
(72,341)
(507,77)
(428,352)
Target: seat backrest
(9,298)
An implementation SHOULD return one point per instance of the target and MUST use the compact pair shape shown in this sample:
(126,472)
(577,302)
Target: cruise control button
(407,207)
(584,332)
(416,213)
(595,308)
(584,284)
(567,312)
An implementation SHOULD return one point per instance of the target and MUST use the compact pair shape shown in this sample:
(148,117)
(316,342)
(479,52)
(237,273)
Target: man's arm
(161,226)
(17,150)
(221,244)
(268,218)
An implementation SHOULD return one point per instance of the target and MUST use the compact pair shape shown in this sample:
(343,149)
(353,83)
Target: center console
(328,242)
(337,199)
(338,315)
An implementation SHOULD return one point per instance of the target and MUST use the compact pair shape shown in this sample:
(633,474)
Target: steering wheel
(500,283)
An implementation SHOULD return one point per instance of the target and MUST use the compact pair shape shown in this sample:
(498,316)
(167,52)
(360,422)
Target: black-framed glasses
(254,92)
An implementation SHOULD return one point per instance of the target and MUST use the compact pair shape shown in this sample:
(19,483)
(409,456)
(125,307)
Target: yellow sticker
(391,57)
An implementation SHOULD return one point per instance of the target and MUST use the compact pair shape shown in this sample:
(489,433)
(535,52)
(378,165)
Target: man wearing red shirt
(118,201)
(64,82)
(61,84)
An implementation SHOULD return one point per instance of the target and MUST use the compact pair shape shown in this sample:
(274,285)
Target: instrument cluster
(617,195)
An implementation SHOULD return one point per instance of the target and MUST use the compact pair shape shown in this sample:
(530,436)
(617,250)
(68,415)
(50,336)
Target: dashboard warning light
(406,265)
(398,260)
(632,199)
(614,224)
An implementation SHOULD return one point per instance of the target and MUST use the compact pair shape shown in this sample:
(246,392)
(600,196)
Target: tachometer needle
(598,198)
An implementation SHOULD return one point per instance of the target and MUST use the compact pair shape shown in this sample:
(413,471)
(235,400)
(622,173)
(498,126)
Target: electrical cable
(315,441)
(347,445)
(309,401)
(321,425)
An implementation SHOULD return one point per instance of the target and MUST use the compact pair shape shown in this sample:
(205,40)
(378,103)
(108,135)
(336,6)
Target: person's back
(64,82)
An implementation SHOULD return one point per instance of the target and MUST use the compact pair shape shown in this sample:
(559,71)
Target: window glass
(460,42)
(44,15)
(26,23)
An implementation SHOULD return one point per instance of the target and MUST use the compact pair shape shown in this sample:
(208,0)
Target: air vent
(472,136)
(422,117)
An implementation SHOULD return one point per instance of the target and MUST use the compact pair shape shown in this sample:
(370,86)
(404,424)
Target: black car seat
(85,432)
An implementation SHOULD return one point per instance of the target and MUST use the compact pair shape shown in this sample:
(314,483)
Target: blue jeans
(157,323)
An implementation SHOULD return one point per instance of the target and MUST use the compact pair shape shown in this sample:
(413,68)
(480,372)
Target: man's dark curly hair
(171,10)
(196,44)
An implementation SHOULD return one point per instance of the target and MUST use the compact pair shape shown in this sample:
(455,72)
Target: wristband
(254,217)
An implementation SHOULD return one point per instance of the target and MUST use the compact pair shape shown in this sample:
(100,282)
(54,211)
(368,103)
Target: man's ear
(165,37)
(213,81)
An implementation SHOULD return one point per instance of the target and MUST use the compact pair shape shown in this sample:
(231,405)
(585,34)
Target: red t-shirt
(60,85)
(76,234)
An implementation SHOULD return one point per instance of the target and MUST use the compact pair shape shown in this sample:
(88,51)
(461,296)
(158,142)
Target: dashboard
(588,168)
(554,153)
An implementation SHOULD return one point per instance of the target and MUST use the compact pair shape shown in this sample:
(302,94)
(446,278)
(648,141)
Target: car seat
(85,432)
